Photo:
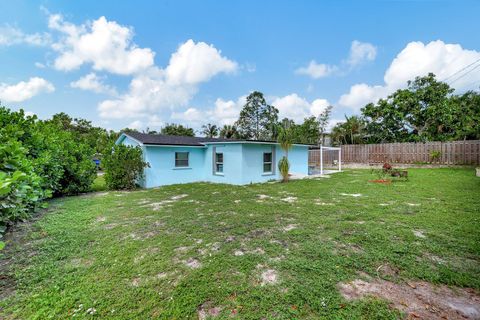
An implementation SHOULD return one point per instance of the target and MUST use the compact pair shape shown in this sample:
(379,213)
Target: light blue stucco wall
(232,163)
(129,142)
(243,163)
(298,158)
(252,162)
(162,169)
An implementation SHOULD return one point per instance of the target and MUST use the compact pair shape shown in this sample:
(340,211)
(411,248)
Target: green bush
(435,155)
(124,167)
(38,159)
(20,186)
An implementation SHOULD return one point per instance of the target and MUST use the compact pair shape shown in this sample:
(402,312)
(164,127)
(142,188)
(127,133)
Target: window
(267,162)
(219,162)
(181,159)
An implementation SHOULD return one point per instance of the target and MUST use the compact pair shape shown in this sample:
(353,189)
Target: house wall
(298,158)
(243,163)
(252,160)
(162,169)
(129,142)
(252,163)
(232,163)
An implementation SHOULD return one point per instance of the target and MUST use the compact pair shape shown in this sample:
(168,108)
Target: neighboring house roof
(165,140)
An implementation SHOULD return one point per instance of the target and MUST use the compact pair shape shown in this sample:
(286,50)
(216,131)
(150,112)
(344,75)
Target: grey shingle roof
(160,139)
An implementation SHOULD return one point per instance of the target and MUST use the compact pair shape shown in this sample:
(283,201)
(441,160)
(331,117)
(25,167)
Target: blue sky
(143,63)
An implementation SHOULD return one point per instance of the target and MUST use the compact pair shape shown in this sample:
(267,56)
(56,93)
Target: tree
(258,120)
(349,132)
(323,120)
(308,131)
(425,110)
(285,140)
(172,129)
(83,131)
(229,132)
(124,167)
(466,117)
(210,130)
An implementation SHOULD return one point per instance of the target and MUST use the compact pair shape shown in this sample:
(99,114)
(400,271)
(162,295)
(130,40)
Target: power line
(445,79)
(463,75)
(472,84)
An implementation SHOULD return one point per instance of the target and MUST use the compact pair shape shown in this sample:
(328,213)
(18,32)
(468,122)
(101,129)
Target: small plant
(124,167)
(285,140)
(387,167)
(284,167)
(435,155)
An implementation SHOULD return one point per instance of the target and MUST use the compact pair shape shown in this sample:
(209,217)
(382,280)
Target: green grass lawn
(273,251)
(99,183)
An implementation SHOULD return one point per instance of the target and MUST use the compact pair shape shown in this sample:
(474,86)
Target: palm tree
(228,132)
(352,131)
(210,130)
(285,140)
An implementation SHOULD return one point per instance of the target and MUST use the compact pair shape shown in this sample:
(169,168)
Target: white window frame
(219,163)
(267,162)
(188,159)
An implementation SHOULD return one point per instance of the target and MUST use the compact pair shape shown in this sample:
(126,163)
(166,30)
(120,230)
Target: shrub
(387,167)
(435,155)
(38,159)
(284,167)
(20,186)
(124,167)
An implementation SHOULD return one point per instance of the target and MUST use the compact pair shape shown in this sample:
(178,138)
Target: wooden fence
(452,152)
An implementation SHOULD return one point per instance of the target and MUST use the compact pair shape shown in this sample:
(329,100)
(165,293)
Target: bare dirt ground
(419,300)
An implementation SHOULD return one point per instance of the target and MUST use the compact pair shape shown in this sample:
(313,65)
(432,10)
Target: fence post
(321,160)
(340,160)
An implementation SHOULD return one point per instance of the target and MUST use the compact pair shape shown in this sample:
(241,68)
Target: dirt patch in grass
(290,227)
(355,195)
(289,199)
(419,234)
(206,311)
(80,262)
(263,196)
(420,300)
(269,276)
(193,263)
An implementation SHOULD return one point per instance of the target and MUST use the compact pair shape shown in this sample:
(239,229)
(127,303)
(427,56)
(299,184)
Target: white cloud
(317,70)
(297,108)
(362,94)
(191,115)
(148,93)
(105,44)
(224,112)
(416,59)
(197,62)
(91,82)
(40,65)
(13,36)
(137,125)
(153,123)
(24,90)
(361,52)
(227,112)
(157,90)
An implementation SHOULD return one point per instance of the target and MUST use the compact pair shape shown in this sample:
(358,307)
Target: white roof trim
(253,142)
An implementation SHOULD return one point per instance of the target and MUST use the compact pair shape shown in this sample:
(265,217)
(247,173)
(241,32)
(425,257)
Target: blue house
(178,159)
